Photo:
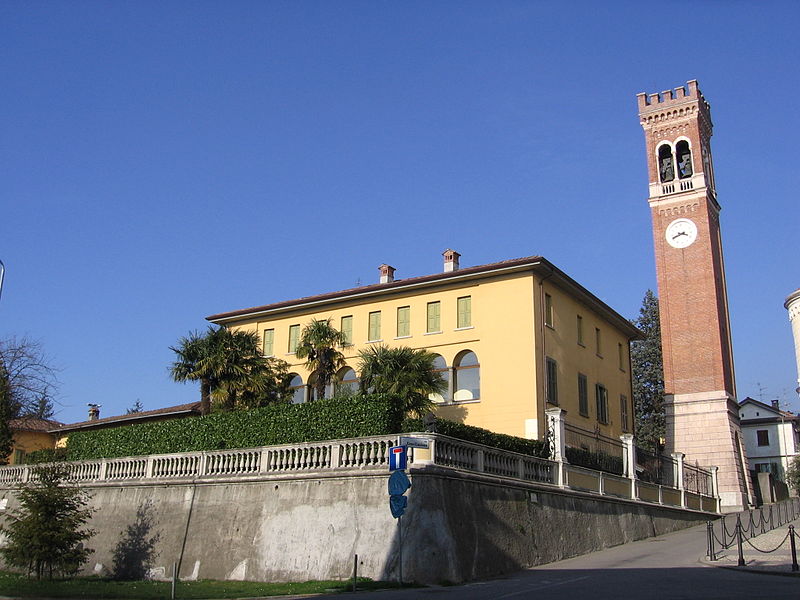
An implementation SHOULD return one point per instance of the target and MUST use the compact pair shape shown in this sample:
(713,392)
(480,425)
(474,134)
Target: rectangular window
(548,310)
(598,342)
(404,321)
(583,395)
(464,310)
(19,457)
(601,394)
(374,331)
(346,327)
(621,356)
(552,381)
(434,314)
(623,412)
(269,340)
(763,437)
(580,330)
(294,337)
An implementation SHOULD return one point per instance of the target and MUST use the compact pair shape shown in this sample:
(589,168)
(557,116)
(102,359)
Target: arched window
(346,381)
(312,389)
(684,159)
(466,377)
(666,164)
(297,388)
(440,367)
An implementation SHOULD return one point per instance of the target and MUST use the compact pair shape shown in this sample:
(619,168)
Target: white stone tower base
(705,427)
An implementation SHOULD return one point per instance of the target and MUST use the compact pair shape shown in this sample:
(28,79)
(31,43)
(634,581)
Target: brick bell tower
(702,415)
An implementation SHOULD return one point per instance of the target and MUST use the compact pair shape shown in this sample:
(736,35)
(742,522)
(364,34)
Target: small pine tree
(136,408)
(45,534)
(648,376)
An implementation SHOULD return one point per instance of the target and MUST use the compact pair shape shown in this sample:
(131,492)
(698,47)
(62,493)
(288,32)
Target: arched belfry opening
(684,155)
(666,164)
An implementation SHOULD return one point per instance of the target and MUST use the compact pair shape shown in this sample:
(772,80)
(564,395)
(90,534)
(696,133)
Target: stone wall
(459,526)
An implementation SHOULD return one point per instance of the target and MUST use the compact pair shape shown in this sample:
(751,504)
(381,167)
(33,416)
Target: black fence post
(794,548)
(739,541)
(710,531)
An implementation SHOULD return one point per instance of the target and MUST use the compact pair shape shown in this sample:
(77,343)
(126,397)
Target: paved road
(666,567)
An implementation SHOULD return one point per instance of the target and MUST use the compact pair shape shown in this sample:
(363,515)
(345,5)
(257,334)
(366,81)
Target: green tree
(46,534)
(32,382)
(404,373)
(230,368)
(319,343)
(6,414)
(793,474)
(136,408)
(648,376)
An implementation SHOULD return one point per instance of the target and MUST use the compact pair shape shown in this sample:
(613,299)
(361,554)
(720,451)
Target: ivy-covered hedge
(334,418)
(483,436)
(46,455)
(328,419)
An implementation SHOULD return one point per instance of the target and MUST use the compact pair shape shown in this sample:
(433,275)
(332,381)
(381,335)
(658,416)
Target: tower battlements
(669,98)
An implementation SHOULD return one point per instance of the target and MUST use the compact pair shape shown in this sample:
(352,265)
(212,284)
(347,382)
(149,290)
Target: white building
(771,436)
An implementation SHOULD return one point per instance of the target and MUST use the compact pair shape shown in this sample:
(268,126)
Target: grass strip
(19,586)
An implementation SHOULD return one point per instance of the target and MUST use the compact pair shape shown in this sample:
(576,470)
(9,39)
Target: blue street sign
(398,483)
(397,458)
(397,504)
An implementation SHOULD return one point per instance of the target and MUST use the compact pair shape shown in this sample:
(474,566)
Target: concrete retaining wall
(458,526)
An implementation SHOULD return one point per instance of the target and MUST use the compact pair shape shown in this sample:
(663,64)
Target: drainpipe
(543,357)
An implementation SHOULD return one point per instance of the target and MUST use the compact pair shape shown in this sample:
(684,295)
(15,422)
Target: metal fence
(655,468)
(593,450)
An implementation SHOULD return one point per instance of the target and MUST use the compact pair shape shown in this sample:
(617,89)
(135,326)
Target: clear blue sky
(164,161)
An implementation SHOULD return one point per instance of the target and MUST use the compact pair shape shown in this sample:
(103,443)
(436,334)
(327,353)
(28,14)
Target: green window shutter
(583,395)
(434,324)
(294,336)
(347,329)
(403,321)
(269,339)
(374,326)
(464,310)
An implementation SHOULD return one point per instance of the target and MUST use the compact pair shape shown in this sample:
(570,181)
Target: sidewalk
(768,552)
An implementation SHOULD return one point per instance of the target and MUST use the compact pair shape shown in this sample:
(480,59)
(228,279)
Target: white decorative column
(630,462)
(556,437)
(792,304)
(679,457)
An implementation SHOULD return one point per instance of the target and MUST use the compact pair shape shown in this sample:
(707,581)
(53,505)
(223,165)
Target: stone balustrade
(372,454)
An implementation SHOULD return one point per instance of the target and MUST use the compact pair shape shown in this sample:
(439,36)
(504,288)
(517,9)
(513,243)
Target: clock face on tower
(681,233)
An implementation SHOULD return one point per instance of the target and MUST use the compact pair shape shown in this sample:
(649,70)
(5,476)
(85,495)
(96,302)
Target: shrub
(599,461)
(46,455)
(327,419)
(483,436)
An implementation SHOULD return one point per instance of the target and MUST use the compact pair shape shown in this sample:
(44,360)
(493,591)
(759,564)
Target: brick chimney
(387,273)
(450,260)
(94,412)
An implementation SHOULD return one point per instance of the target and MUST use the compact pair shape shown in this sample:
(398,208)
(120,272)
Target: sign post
(398,485)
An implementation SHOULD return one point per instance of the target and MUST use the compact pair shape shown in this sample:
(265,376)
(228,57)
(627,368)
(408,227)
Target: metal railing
(748,525)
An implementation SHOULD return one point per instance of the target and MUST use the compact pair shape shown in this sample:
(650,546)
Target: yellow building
(512,338)
(30,434)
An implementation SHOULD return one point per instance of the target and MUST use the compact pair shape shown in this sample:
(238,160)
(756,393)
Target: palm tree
(193,365)
(230,368)
(318,345)
(402,372)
